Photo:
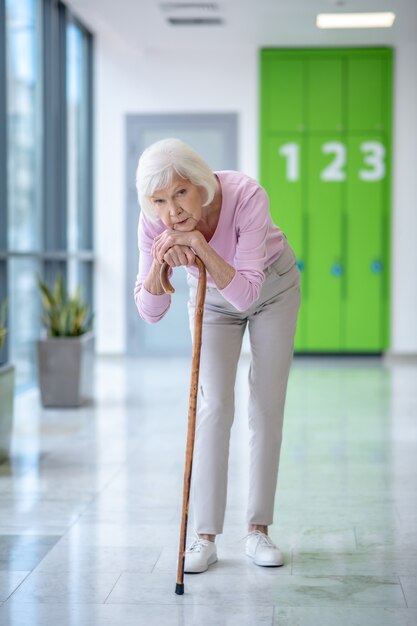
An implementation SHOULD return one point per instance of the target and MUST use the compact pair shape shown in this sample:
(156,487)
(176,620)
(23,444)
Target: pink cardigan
(245,237)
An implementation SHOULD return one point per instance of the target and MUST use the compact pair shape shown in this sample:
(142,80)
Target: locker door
(324,95)
(326,177)
(282,175)
(365,88)
(282,87)
(366,245)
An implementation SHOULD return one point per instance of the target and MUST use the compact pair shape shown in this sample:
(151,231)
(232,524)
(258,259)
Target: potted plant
(7,374)
(66,354)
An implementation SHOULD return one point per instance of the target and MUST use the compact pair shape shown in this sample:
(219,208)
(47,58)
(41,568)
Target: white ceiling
(142,25)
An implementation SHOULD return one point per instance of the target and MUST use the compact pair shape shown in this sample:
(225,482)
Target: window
(24,124)
(46,182)
(24,177)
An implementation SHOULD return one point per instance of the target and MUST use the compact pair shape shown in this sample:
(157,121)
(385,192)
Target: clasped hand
(174,247)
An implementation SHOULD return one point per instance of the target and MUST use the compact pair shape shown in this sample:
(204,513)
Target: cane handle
(165,282)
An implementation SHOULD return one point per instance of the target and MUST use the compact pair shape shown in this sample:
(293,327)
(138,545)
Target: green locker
(365,88)
(325,161)
(281,76)
(365,254)
(325,95)
(282,167)
(283,173)
(324,266)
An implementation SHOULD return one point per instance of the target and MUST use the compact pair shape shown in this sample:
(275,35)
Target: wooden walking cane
(192,407)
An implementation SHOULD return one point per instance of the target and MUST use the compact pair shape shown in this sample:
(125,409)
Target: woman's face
(179,206)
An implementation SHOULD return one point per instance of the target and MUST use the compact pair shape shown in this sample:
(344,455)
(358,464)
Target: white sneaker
(262,550)
(200,554)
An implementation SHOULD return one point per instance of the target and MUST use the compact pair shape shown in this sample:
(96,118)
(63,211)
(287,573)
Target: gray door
(214,136)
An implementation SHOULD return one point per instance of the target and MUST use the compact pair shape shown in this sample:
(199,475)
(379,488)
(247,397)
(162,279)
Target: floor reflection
(90,504)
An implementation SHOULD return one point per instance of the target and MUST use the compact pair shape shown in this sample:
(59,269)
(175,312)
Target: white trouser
(272,322)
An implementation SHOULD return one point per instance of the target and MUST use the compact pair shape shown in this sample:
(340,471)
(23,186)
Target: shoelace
(265,540)
(197,545)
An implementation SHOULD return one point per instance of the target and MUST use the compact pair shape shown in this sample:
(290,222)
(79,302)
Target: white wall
(210,81)
(404,206)
(206,81)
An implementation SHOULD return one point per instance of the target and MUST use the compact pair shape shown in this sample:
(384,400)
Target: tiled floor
(90,505)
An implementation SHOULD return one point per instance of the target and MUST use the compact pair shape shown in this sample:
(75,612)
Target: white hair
(161,162)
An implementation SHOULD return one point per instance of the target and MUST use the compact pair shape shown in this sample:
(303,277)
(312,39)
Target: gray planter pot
(6,409)
(66,370)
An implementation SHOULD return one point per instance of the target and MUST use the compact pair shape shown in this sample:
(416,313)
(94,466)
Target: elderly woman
(253,280)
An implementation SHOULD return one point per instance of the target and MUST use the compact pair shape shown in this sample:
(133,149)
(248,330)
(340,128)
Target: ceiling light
(355,20)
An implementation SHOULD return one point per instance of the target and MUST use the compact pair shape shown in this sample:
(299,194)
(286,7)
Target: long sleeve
(252,221)
(151,308)
(245,237)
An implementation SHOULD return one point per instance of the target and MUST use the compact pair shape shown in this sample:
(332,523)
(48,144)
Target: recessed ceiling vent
(192,13)
(189,6)
(195,21)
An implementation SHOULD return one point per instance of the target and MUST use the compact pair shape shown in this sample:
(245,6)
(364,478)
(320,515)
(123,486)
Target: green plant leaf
(63,316)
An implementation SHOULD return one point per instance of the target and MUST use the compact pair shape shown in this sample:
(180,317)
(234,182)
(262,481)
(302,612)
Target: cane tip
(179,589)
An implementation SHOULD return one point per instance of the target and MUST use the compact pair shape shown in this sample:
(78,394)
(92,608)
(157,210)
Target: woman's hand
(179,255)
(170,239)
(180,248)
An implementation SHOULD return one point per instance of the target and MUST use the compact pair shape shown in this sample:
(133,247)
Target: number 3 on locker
(374,158)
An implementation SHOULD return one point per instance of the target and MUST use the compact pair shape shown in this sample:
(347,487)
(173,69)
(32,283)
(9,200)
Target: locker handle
(376,267)
(337,269)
